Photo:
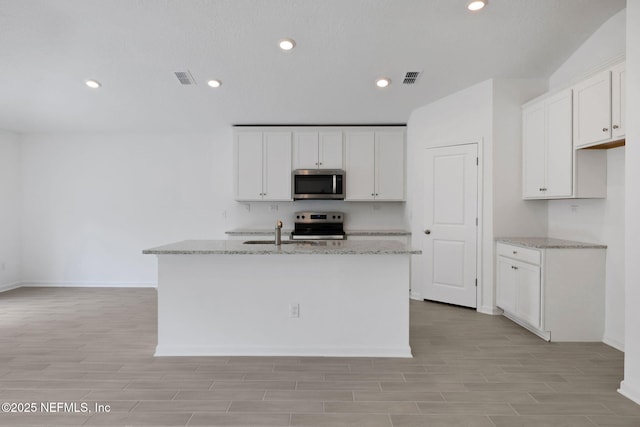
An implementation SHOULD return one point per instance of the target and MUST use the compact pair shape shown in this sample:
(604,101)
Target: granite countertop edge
(263,232)
(548,243)
(234,247)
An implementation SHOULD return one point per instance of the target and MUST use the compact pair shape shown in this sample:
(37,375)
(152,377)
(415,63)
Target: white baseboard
(9,286)
(416,296)
(494,311)
(618,345)
(629,392)
(171,350)
(47,284)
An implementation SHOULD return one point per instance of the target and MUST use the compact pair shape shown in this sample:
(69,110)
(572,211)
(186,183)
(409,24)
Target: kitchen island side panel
(574,291)
(349,305)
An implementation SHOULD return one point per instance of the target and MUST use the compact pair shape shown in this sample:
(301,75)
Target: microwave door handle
(334,184)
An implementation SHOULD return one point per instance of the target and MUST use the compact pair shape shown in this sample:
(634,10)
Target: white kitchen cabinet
(592,121)
(556,291)
(390,165)
(551,167)
(599,108)
(375,165)
(360,172)
(318,150)
(618,100)
(263,166)
(519,290)
(548,148)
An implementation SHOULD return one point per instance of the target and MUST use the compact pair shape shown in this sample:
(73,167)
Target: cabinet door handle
(427,231)
(319,163)
(605,129)
(616,126)
(514,267)
(373,194)
(515,252)
(543,189)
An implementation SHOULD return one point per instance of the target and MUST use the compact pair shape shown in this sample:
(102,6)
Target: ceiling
(133,47)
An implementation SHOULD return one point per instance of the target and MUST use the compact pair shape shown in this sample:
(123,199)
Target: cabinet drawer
(531,256)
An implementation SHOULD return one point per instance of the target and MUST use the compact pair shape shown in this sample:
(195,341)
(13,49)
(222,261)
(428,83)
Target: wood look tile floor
(95,346)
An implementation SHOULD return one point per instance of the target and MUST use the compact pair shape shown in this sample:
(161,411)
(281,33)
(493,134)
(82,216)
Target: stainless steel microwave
(318,184)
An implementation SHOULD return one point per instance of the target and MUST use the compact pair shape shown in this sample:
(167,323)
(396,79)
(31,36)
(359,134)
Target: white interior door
(449,241)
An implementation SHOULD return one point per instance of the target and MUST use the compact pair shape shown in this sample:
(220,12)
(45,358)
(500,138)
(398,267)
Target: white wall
(488,113)
(598,220)
(605,46)
(93,202)
(630,387)
(464,117)
(10,200)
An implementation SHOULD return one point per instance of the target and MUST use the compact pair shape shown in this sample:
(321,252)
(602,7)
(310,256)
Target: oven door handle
(334,184)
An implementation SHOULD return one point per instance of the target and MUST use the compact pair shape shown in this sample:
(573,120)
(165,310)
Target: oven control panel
(319,217)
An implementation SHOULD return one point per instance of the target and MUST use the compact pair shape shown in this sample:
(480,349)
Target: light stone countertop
(548,243)
(256,232)
(315,247)
(263,232)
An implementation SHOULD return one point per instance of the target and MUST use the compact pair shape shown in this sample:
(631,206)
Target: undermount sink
(284,242)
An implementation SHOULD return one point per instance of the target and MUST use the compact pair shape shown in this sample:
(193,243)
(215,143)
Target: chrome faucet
(278,233)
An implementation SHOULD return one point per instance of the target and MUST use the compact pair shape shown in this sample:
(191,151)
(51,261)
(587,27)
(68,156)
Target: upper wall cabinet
(375,165)
(599,108)
(548,148)
(263,166)
(618,100)
(317,150)
(551,167)
(373,158)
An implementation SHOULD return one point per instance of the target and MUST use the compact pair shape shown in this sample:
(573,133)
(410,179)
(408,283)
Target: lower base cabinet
(556,292)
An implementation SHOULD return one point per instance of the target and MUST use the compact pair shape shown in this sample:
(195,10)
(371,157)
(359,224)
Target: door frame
(479,143)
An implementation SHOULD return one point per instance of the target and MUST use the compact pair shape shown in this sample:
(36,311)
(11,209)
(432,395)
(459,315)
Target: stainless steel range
(318,225)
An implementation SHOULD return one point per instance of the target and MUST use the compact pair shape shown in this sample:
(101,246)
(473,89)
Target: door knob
(605,129)
(616,126)
(427,231)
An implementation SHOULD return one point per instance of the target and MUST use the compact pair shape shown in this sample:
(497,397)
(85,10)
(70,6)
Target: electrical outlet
(574,208)
(376,207)
(294,310)
(273,208)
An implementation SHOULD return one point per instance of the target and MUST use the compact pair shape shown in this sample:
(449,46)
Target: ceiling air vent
(185,77)
(411,77)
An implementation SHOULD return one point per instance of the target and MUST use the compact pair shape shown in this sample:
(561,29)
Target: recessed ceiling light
(287,44)
(214,83)
(475,5)
(93,84)
(383,82)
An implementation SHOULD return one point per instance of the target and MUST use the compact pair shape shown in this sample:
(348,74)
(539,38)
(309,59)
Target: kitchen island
(319,298)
